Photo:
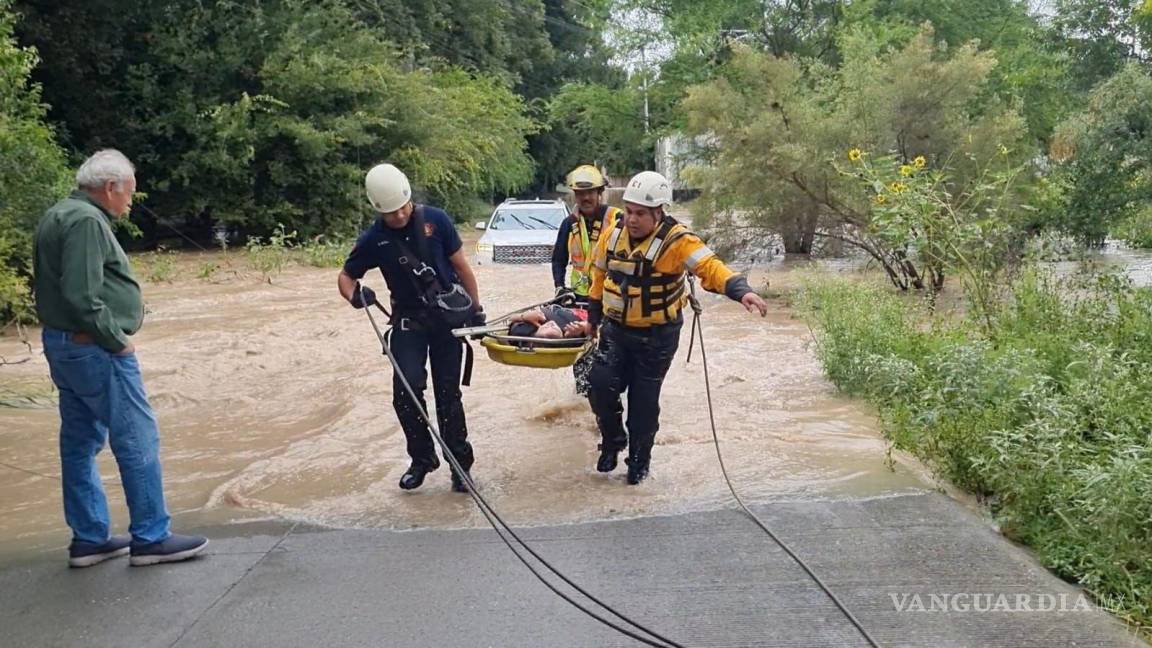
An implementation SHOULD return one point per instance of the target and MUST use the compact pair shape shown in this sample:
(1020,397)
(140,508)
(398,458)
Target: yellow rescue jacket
(642,284)
(582,242)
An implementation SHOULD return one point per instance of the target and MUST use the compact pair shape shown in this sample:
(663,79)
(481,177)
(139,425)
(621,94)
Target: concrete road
(704,579)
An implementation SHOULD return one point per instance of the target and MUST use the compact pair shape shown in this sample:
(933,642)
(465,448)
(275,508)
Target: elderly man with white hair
(90,303)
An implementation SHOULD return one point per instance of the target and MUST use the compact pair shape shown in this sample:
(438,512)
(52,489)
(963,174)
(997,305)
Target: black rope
(698,331)
(159,222)
(501,527)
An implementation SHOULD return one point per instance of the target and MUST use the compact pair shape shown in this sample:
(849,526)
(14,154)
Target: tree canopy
(250,115)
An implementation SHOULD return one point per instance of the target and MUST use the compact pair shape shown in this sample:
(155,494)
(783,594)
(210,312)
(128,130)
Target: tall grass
(281,249)
(1048,417)
(322,252)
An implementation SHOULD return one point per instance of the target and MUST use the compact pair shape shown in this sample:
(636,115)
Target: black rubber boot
(637,470)
(458,482)
(414,477)
(607,461)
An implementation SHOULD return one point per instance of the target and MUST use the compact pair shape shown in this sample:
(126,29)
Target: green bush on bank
(1049,418)
(33,174)
(1137,230)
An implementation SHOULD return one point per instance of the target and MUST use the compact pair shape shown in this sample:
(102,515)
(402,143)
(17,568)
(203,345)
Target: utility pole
(644,65)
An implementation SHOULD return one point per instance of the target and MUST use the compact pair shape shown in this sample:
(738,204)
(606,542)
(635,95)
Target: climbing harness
(448,303)
(501,527)
(411,324)
(698,332)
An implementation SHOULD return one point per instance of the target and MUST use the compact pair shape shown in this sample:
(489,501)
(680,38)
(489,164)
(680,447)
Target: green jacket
(83,282)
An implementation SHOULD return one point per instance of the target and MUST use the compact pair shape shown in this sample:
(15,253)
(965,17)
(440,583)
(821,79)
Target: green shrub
(321,252)
(15,297)
(269,258)
(33,173)
(1049,417)
(160,266)
(1137,230)
(207,270)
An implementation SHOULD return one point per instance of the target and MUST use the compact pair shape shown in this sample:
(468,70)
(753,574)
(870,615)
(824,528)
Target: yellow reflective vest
(642,284)
(582,242)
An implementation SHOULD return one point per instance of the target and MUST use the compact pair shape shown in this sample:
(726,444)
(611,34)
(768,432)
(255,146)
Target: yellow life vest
(635,294)
(581,244)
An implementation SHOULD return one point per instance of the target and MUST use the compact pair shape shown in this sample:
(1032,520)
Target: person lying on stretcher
(552,322)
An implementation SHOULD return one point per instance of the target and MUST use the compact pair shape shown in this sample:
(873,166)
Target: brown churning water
(274,400)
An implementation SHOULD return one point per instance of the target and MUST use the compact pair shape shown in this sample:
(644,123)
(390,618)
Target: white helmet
(649,189)
(388,188)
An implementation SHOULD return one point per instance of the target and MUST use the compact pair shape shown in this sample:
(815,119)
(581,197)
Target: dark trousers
(636,361)
(583,365)
(413,349)
(580,371)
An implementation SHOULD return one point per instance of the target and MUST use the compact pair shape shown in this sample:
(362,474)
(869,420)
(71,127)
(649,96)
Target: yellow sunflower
(880,199)
(855,154)
(919,162)
(906,170)
(898,187)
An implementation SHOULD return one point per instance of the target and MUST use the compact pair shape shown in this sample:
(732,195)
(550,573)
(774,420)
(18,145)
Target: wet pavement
(700,579)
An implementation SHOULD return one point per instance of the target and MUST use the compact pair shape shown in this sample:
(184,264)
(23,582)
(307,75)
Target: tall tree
(607,123)
(259,113)
(703,32)
(32,170)
(503,38)
(86,51)
(1104,156)
(538,46)
(1102,35)
(778,126)
(1032,69)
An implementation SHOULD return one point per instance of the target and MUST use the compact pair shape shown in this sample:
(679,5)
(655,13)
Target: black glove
(478,319)
(361,301)
(564,296)
(595,313)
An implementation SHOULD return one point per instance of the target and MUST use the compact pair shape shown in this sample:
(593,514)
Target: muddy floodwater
(274,401)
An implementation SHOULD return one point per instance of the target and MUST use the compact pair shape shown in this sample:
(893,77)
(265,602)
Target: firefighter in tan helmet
(579,233)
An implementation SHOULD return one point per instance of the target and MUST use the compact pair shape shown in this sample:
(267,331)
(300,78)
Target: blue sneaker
(172,549)
(86,554)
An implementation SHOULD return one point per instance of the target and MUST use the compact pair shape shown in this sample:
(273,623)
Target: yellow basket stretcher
(534,352)
(540,353)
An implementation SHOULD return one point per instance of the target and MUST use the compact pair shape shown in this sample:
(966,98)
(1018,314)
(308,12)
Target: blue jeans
(102,399)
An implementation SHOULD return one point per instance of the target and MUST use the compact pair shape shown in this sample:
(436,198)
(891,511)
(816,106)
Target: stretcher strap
(468,359)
